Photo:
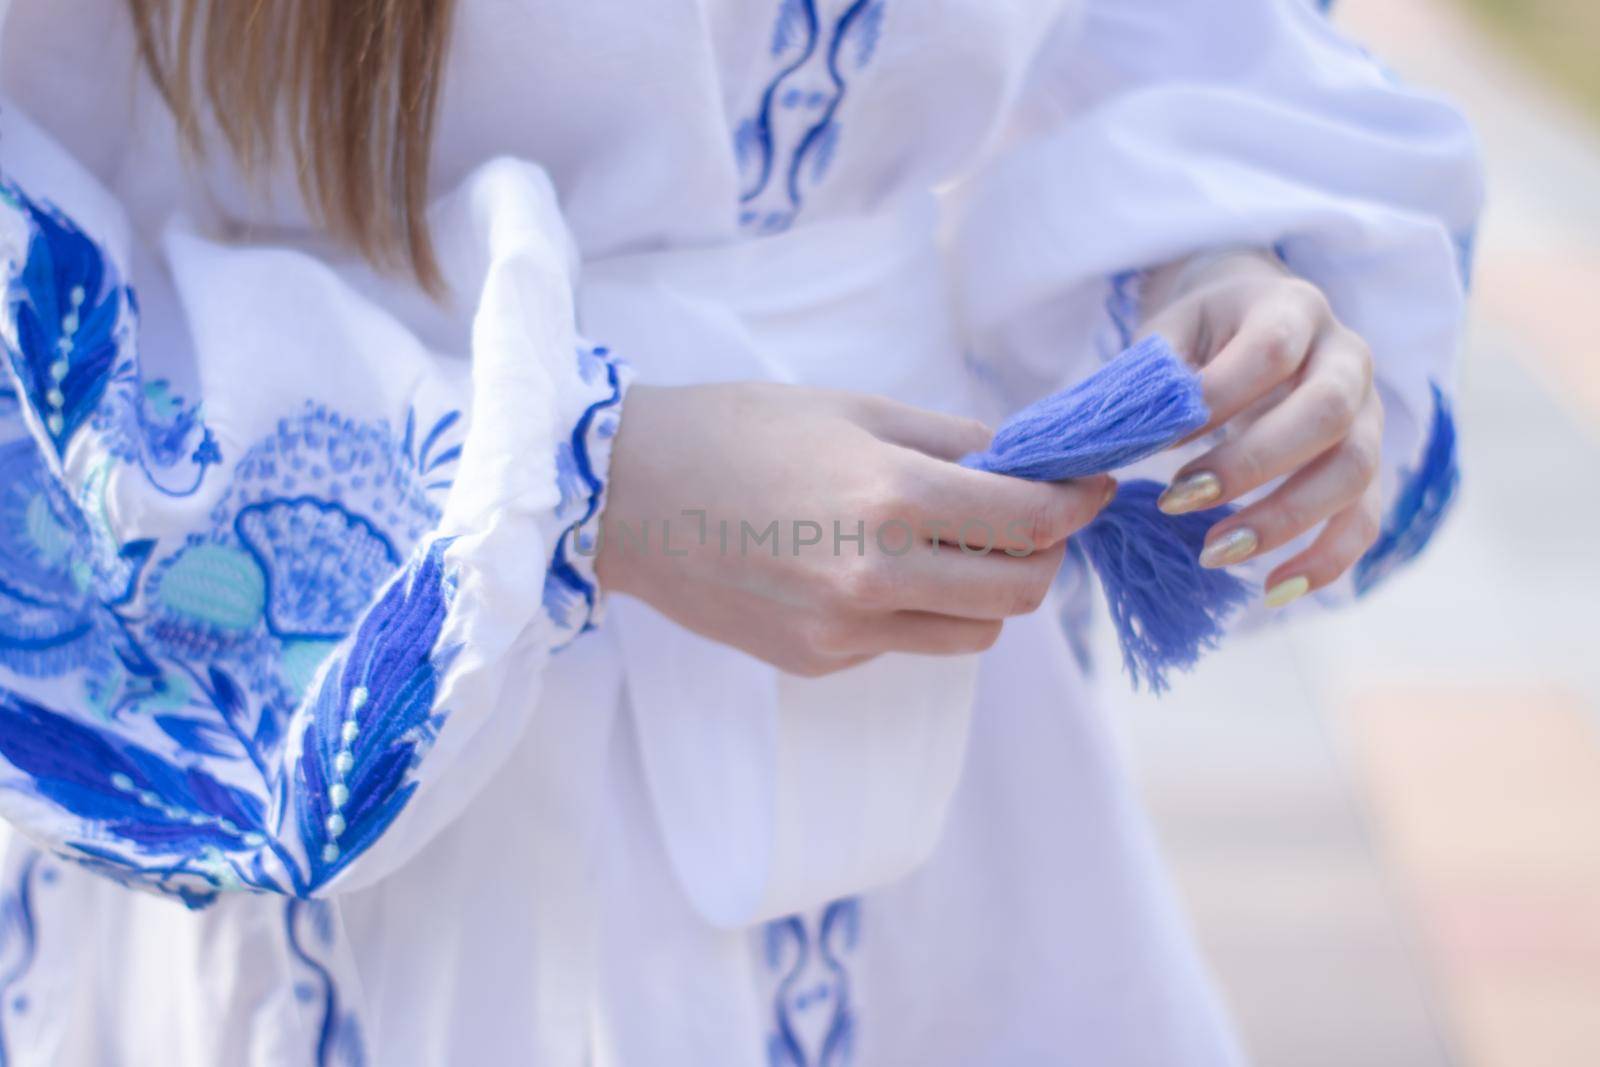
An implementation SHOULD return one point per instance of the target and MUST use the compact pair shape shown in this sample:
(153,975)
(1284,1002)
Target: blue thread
(1423,504)
(1166,607)
(1133,407)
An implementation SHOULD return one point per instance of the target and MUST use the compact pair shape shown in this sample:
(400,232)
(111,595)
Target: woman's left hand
(1294,387)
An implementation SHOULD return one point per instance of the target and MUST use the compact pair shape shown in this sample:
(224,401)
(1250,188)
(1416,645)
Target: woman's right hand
(762,490)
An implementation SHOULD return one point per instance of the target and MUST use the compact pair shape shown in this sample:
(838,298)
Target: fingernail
(1190,492)
(1111,493)
(1232,547)
(1288,590)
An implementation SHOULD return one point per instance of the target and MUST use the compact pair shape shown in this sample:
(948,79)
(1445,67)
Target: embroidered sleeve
(247,694)
(1151,131)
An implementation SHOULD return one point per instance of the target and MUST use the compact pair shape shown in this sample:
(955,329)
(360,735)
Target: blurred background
(1391,846)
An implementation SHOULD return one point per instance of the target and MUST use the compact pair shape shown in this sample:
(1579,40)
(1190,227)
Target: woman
(315,401)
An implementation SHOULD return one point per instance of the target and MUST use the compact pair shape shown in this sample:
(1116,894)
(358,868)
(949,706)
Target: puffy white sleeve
(1154,130)
(267,616)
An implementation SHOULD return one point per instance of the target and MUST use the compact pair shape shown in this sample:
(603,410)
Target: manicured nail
(1289,589)
(1111,493)
(1235,546)
(1190,492)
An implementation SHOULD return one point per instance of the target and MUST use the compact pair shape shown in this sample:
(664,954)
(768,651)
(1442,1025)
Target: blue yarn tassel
(1136,405)
(1167,608)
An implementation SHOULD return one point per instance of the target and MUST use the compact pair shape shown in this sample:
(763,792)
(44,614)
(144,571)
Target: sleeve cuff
(573,600)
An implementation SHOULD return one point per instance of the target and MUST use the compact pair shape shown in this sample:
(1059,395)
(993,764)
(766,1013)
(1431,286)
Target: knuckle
(1330,409)
(862,582)
(1244,469)
(1280,348)
(1291,517)
(1306,297)
(888,497)
(1359,349)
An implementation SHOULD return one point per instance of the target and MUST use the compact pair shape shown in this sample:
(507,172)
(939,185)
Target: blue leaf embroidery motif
(67,309)
(371,718)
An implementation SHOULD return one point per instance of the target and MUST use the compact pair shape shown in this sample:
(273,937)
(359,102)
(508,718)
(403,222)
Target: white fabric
(576,880)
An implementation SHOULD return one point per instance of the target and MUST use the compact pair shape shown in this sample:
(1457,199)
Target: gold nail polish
(1288,590)
(1190,493)
(1235,546)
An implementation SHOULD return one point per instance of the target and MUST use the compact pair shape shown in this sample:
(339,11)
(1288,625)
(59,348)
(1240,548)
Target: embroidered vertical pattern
(813,1014)
(19,943)
(787,146)
(339,1042)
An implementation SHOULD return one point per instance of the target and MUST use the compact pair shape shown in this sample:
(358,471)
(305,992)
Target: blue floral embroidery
(70,321)
(810,113)
(372,719)
(813,1017)
(214,639)
(1424,501)
(68,314)
(46,607)
(339,1039)
(245,708)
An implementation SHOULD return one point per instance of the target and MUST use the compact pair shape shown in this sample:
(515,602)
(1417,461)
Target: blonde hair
(351,87)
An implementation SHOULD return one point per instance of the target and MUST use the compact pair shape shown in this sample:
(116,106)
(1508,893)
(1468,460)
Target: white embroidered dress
(313,745)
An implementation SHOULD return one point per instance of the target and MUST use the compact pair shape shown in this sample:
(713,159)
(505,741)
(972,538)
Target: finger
(933,433)
(947,580)
(1330,483)
(954,504)
(1270,348)
(1317,415)
(1341,544)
